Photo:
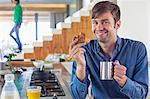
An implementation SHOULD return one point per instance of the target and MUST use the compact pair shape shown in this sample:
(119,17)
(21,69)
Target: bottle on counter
(26,83)
(9,90)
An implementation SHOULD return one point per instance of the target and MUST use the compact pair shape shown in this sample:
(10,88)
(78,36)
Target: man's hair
(106,6)
(18,1)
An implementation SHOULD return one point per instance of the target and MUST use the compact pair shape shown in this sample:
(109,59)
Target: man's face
(105,27)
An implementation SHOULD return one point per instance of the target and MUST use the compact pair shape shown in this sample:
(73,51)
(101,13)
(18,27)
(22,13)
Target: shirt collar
(118,46)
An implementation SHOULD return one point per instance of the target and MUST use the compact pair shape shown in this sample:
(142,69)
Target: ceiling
(30,7)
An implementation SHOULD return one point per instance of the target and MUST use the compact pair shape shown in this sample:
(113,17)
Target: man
(130,78)
(17,20)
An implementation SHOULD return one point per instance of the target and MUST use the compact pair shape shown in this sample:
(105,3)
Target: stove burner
(50,84)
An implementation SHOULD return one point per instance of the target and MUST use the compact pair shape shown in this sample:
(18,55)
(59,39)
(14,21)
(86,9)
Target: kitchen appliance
(48,81)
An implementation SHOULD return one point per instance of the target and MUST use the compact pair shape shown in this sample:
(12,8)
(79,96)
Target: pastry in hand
(80,37)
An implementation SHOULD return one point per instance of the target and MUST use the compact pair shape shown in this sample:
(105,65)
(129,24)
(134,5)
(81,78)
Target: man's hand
(120,73)
(77,53)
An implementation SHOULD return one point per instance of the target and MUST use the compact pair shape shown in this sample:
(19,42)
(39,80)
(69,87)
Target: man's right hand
(77,53)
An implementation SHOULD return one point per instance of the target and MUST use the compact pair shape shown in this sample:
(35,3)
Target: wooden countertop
(22,63)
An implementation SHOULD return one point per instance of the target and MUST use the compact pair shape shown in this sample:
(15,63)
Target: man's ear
(118,24)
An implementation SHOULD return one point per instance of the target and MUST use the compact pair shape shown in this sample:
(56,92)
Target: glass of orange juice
(34,92)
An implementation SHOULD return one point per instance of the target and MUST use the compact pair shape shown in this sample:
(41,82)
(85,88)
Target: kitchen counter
(22,63)
(57,68)
(64,75)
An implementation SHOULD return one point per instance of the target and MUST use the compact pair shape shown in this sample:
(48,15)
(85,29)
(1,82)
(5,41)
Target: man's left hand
(120,73)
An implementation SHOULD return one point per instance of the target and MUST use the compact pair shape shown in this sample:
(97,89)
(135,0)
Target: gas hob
(49,83)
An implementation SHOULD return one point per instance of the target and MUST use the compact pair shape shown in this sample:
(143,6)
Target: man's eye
(94,22)
(105,22)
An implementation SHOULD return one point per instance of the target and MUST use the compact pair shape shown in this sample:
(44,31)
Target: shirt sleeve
(137,87)
(78,89)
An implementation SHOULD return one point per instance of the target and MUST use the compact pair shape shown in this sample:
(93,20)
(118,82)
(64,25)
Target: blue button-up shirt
(131,54)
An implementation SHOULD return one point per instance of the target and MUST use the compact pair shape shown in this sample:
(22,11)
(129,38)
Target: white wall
(135,17)
(93,2)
